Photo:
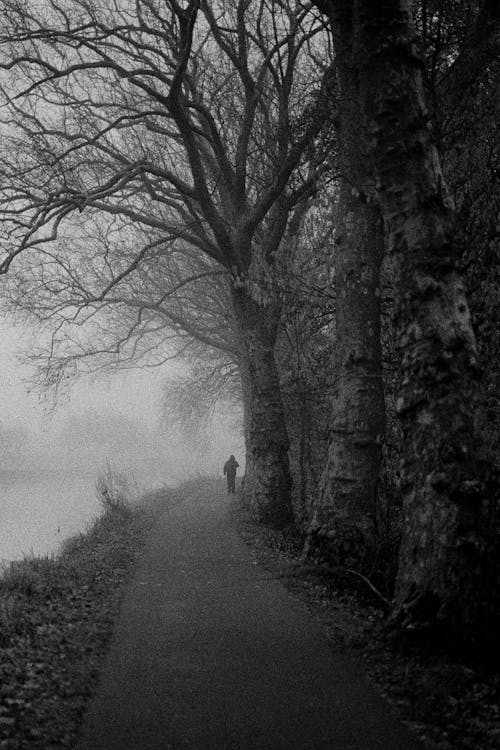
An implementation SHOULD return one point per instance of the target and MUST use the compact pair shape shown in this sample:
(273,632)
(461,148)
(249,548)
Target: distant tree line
(292,198)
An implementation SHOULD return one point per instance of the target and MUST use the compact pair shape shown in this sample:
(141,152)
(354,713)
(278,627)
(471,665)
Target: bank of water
(38,510)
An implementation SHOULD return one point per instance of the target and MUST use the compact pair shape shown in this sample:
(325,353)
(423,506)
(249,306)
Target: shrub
(116,491)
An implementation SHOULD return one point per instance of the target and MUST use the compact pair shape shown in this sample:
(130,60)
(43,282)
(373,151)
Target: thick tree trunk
(346,507)
(449,566)
(249,477)
(267,480)
(345,512)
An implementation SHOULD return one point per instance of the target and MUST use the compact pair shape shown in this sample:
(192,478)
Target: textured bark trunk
(345,512)
(346,507)
(449,564)
(249,477)
(267,481)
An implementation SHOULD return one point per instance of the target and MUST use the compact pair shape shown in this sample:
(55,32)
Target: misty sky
(117,417)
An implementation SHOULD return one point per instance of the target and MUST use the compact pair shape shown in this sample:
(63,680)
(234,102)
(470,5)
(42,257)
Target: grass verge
(451,703)
(56,616)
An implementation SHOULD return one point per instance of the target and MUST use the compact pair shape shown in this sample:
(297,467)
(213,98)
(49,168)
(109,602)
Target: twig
(370,585)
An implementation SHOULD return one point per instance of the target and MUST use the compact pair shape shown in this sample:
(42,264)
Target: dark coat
(230,466)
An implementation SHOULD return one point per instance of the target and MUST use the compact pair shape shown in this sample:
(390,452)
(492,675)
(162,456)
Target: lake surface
(39,510)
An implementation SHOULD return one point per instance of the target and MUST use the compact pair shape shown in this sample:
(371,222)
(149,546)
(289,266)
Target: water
(39,510)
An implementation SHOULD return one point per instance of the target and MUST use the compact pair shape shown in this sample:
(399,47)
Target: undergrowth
(56,616)
(450,701)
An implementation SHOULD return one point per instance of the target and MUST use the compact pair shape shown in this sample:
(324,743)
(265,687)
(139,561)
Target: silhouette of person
(230,471)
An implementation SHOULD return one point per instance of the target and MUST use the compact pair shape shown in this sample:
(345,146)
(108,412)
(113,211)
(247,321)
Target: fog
(50,459)
(81,440)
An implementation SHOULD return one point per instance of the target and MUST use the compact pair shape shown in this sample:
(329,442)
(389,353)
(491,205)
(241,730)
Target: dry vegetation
(56,616)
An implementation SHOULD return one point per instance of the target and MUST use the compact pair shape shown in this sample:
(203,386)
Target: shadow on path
(210,652)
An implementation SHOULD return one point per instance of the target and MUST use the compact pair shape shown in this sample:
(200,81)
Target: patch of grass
(56,616)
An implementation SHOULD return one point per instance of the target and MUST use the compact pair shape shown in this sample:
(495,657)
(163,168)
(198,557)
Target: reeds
(116,490)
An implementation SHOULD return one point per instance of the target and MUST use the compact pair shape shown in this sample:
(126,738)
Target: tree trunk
(346,507)
(449,566)
(249,478)
(267,480)
(345,512)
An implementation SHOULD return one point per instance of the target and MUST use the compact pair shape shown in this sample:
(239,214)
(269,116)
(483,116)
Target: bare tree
(449,567)
(190,400)
(344,518)
(194,122)
(307,342)
(102,307)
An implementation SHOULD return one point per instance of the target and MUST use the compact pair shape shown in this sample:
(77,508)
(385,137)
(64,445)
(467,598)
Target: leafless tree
(192,123)
(449,568)
(344,519)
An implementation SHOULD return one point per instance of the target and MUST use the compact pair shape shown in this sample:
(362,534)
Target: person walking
(230,471)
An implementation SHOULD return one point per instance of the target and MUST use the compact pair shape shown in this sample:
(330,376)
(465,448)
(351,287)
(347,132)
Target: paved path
(211,653)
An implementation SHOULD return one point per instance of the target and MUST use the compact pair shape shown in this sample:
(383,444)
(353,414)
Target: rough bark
(248,481)
(306,412)
(449,570)
(267,479)
(345,511)
(346,506)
